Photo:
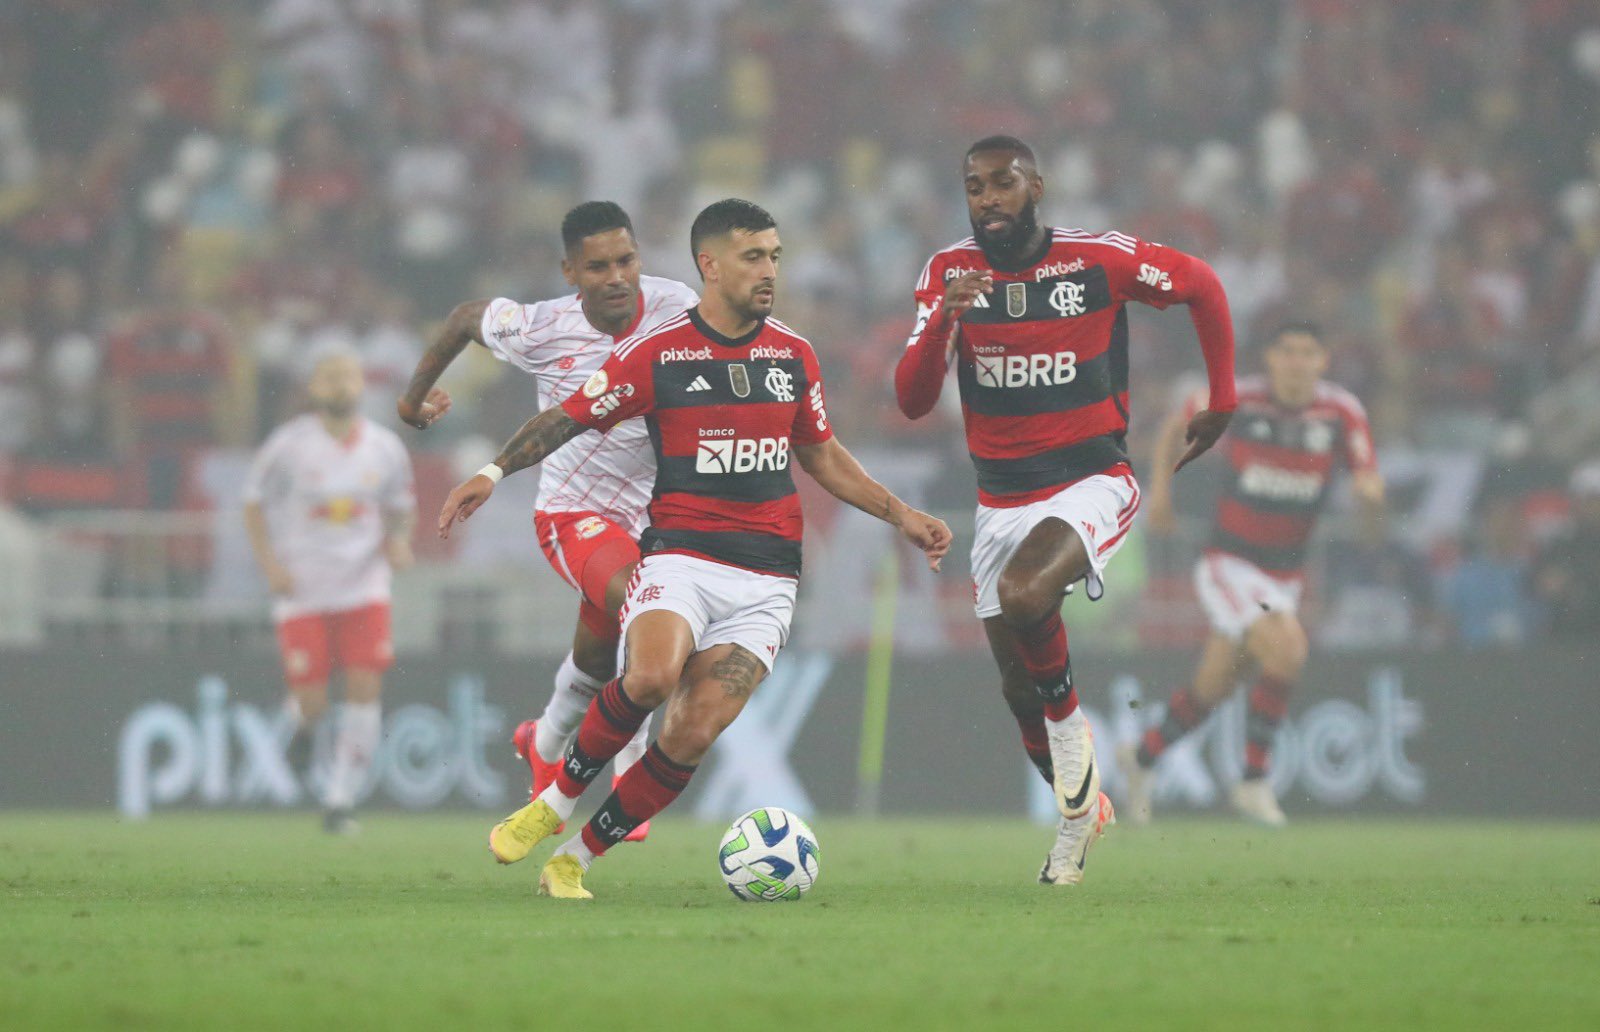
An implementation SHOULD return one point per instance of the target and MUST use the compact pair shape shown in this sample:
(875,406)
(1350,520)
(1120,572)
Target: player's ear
(706,262)
(1035,186)
(568,271)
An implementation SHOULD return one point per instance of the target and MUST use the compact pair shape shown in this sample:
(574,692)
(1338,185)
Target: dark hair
(1004,143)
(592,217)
(1304,326)
(725,216)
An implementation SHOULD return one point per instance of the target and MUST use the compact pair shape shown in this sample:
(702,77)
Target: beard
(337,408)
(1006,243)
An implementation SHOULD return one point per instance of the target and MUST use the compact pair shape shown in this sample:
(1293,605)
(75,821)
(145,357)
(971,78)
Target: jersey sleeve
(811,424)
(269,472)
(620,389)
(919,375)
(1158,276)
(1356,444)
(509,327)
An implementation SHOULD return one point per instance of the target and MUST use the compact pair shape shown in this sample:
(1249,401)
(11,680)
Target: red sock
(1184,714)
(608,725)
(1036,743)
(1269,703)
(644,791)
(1044,653)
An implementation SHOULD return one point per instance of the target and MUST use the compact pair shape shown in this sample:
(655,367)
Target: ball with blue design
(768,856)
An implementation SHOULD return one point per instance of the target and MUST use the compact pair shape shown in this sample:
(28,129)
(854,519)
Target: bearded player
(730,396)
(592,497)
(1290,432)
(329,507)
(1035,321)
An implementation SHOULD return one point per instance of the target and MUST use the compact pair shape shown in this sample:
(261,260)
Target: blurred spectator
(1486,595)
(1378,595)
(1566,573)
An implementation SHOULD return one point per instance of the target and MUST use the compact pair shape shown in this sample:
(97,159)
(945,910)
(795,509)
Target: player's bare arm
(833,467)
(423,403)
(255,524)
(1159,513)
(397,529)
(1367,485)
(529,446)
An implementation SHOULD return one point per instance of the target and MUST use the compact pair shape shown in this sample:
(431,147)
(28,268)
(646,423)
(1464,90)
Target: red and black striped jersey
(724,415)
(1042,362)
(1280,463)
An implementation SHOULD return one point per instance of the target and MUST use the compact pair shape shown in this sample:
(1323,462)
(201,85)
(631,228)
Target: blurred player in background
(329,506)
(592,496)
(730,395)
(1035,320)
(1289,432)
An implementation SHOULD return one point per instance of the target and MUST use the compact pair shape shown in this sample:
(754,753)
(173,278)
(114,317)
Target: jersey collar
(717,338)
(1028,261)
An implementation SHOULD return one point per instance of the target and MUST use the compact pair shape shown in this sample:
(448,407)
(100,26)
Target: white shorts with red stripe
(1235,593)
(1100,508)
(723,605)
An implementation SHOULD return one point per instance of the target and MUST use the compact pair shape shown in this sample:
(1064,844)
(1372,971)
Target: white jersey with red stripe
(610,474)
(328,502)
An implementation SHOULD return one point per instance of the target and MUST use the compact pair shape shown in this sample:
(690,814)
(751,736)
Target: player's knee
(689,737)
(1024,603)
(1283,648)
(649,685)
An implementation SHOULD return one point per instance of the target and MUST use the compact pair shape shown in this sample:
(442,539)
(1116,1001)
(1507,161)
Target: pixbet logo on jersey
(1001,371)
(743,455)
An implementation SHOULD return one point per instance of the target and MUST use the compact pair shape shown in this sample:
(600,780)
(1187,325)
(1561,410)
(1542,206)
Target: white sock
(574,846)
(633,752)
(360,728)
(561,803)
(564,712)
(293,715)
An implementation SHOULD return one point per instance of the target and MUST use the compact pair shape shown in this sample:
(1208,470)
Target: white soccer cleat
(1077,780)
(1064,865)
(1140,784)
(1255,802)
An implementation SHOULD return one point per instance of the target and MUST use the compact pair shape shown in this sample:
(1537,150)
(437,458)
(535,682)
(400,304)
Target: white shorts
(1235,593)
(723,605)
(1100,508)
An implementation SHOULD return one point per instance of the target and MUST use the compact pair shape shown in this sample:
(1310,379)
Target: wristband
(493,472)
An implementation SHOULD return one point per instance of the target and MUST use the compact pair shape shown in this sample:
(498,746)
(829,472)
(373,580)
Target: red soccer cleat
(543,773)
(637,834)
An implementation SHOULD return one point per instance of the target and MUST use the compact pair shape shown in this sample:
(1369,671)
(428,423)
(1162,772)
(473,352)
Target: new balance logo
(698,384)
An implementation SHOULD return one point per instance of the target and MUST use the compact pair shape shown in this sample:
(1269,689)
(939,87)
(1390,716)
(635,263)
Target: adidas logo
(698,384)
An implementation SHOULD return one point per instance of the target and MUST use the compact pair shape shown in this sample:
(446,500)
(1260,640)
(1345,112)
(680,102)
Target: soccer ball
(769,855)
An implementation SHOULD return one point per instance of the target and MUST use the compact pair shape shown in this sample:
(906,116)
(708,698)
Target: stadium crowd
(197,198)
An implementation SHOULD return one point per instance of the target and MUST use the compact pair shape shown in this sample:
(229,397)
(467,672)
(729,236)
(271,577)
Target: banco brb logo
(743,455)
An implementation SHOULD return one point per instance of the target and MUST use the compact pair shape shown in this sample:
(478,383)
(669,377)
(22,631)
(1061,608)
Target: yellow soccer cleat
(562,878)
(514,838)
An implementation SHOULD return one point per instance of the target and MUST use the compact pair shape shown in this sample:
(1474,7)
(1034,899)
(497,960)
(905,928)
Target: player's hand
(964,290)
(1160,518)
(928,533)
(279,581)
(1204,430)
(424,415)
(463,502)
(398,551)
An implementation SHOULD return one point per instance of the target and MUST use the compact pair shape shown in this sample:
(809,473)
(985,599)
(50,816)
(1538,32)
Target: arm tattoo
(459,330)
(538,437)
(738,672)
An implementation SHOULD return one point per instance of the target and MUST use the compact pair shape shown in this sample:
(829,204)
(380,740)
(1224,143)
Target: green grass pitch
(236,921)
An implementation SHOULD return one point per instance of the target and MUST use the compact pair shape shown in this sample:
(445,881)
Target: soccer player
(1290,430)
(329,507)
(592,496)
(730,396)
(1034,319)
